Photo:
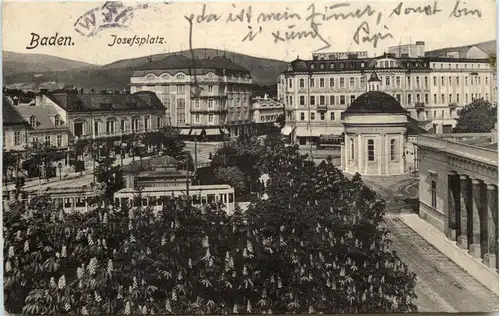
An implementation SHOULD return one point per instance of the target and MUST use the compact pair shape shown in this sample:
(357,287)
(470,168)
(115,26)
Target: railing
(475,153)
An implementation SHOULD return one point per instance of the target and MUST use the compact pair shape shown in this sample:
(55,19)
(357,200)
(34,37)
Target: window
(210,103)
(150,77)
(442,98)
(110,127)
(458,98)
(96,127)
(78,128)
(322,116)
(17,138)
(409,82)
(393,149)
(302,100)
(351,82)
(342,82)
(57,120)
(433,194)
(197,104)
(351,142)
(210,88)
(180,76)
(332,100)
(332,82)
(290,83)
(122,124)
(332,116)
(450,99)
(342,99)
(398,81)
(409,98)
(322,100)
(449,81)
(321,82)
(371,150)
(313,116)
(466,98)
(353,97)
(478,80)
(301,83)
(59,140)
(426,82)
(435,81)
(398,97)
(180,88)
(387,81)
(458,81)
(486,80)
(418,82)
(48,139)
(33,121)
(135,124)
(362,82)
(146,124)
(466,81)
(311,82)
(442,81)
(312,99)
(302,116)
(435,98)
(210,118)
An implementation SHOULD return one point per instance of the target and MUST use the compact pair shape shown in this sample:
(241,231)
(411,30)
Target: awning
(287,129)
(184,131)
(212,131)
(315,131)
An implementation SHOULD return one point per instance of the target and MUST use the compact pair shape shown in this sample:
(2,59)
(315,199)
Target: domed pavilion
(375,135)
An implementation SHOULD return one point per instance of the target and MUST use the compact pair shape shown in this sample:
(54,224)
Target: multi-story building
(15,128)
(46,124)
(266,110)
(103,116)
(431,89)
(408,50)
(201,96)
(459,190)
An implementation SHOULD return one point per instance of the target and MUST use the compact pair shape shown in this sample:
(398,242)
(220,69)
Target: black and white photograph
(258,157)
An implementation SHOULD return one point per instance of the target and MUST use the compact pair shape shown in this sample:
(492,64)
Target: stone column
(380,151)
(453,219)
(464,207)
(491,227)
(475,247)
(361,165)
(401,152)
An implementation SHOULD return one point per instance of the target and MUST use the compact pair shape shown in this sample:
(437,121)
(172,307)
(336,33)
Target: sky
(169,25)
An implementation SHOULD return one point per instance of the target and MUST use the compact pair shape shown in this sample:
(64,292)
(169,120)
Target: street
(442,286)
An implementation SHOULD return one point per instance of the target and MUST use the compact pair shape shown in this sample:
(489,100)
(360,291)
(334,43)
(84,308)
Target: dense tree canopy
(316,244)
(478,117)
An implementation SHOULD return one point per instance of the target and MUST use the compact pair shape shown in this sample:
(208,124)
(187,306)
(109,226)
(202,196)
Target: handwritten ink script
(111,15)
(317,21)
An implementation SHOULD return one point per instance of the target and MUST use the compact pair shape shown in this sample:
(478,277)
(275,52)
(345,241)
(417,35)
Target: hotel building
(201,96)
(432,89)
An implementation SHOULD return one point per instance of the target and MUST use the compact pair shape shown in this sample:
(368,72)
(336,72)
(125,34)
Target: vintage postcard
(260,157)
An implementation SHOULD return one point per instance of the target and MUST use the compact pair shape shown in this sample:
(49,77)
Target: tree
(280,120)
(478,117)
(108,177)
(232,176)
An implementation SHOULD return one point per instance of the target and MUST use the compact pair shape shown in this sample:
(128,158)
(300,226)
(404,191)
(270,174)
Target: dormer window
(332,66)
(57,120)
(341,65)
(33,121)
(362,65)
(312,66)
(322,66)
(150,77)
(180,76)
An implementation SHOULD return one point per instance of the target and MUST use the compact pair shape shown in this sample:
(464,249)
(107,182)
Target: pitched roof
(488,48)
(183,62)
(151,164)
(9,114)
(81,102)
(375,102)
(42,114)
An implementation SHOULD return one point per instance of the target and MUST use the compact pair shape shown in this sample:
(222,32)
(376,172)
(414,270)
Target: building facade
(266,110)
(459,190)
(15,128)
(47,125)
(432,88)
(104,116)
(199,95)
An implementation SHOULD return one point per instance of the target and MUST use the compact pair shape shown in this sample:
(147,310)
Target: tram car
(200,195)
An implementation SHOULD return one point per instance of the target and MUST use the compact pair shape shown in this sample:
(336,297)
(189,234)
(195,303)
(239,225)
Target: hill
(489,47)
(15,63)
(116,76)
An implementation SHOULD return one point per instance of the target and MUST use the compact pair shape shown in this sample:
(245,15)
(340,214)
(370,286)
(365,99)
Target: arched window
(351,142)
(150,77)
(180,76)
(33,121)
(371,150)
(165,77)
(393,149)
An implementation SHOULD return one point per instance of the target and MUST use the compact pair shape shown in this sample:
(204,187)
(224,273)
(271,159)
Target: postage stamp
(252,157)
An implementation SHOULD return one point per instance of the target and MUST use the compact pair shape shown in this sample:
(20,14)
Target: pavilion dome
(375,102)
